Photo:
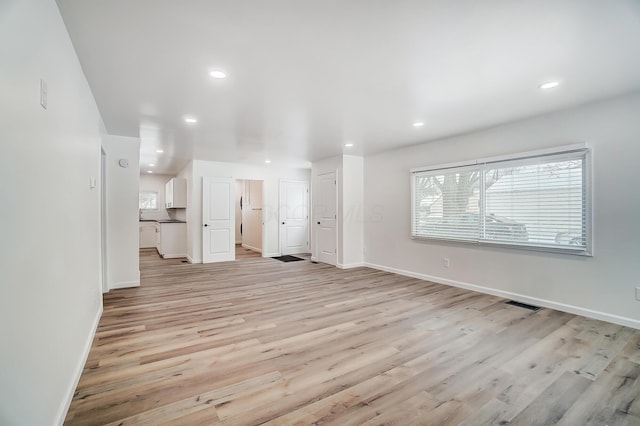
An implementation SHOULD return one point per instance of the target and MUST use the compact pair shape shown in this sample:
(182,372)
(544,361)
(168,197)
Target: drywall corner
(122,185)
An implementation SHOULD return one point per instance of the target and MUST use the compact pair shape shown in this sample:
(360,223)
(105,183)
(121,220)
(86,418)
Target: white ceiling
(306,76)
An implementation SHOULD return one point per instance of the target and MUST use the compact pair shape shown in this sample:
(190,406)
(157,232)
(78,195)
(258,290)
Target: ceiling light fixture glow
(217,74)
(549,85)
(348,145)
(149,171)
(151,165)
(267,161)
(190,120)
(418,124)
(159,151)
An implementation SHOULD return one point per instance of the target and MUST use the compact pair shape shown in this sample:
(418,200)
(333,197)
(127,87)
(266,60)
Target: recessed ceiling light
(267,161)
(190,120)
(217,74)
(418,124)
(149,171)
(151,165)
(348,144)
(550,85)
(159,151)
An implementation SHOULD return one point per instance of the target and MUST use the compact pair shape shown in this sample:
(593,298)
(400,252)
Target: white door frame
(103,220)
(280,213)
(262,215)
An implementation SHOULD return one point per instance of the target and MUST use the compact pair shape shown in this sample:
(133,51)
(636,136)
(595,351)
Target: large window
(535,201)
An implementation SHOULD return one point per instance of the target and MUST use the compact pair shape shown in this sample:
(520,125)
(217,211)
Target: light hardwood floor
(262,341)
(244,253)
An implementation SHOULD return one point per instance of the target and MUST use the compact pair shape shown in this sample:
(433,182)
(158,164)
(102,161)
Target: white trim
(443,166)
(247,246)
(238,242)
(174,255)
(192,260)
(506,157)
(536,153)
(124,284)
(274,254)
(314,259)
(66,403)
(603,316)
(350,265)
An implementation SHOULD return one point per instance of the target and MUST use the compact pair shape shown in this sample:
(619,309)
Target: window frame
(581,148)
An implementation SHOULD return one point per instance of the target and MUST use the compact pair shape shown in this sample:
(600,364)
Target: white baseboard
(247,246)
(66,403)
(238,242)
(314,259)
(350,265)
(603,316)
(174,256)
(276,254)
(124,284)
(193,260)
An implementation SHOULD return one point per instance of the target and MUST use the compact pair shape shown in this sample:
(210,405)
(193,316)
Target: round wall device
(123,162)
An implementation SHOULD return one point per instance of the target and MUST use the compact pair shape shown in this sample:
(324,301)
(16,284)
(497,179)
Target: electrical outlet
(445,262)
(638,294)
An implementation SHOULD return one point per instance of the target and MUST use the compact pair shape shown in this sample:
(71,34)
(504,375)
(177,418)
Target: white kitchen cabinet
(176,193)
(172,239)
(147,234)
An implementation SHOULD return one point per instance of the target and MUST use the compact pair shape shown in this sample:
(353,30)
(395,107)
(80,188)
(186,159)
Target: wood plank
(259,340)
(549,407)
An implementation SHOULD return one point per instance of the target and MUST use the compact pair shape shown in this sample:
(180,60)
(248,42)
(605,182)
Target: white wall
(270,175)
(600,286)
(156,183)
(123,269)
(50,284)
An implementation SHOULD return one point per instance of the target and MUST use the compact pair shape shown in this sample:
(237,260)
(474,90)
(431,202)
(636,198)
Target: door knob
(283,223)
(206,224)
(318,223)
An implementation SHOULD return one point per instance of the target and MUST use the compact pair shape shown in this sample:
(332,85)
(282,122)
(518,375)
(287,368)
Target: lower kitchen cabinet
(147,234)
(172,239)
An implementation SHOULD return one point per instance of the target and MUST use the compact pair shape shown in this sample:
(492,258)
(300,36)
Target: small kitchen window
(148,200)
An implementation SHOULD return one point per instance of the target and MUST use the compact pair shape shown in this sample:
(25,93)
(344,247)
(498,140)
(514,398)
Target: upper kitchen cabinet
(176,194)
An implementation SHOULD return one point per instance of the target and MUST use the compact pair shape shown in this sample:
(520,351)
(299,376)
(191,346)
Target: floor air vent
(524,305)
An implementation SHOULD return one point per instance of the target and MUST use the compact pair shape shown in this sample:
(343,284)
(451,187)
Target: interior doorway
(249,217)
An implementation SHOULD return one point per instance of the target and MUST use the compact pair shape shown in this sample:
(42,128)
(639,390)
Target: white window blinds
(537,202)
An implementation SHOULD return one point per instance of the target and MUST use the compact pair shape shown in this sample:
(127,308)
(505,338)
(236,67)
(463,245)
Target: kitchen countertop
(163,220)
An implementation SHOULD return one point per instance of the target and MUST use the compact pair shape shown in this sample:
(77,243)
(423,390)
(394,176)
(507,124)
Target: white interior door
(325,217)
(294,217)
(218,220)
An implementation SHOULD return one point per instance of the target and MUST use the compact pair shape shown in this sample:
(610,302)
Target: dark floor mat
(287,258)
